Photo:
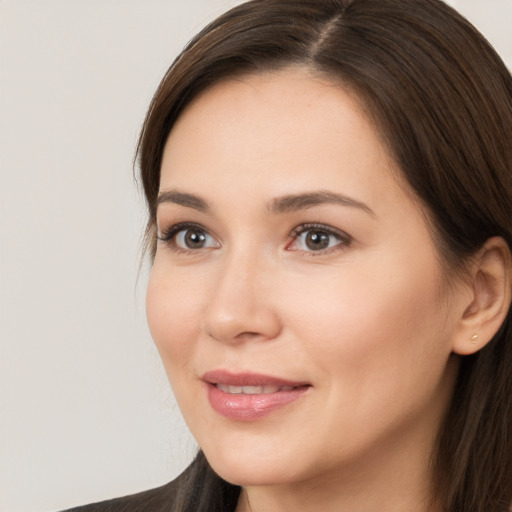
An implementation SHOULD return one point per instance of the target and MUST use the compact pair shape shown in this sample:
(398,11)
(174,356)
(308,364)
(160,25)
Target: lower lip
(251,407)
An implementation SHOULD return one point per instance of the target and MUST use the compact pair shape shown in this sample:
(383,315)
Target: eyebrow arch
(183,199)
(294,202)
(279,205)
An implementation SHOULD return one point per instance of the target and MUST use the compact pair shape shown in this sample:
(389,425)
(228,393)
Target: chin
(250,469)
(246,475)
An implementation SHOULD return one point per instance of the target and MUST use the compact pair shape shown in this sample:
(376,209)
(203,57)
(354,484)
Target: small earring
(474,338)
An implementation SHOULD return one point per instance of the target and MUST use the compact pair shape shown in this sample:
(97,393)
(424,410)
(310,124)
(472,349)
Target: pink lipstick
(250,396)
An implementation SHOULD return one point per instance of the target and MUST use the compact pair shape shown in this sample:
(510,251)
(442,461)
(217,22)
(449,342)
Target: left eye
(316,239)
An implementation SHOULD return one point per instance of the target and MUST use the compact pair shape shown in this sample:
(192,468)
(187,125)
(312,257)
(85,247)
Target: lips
(250,396)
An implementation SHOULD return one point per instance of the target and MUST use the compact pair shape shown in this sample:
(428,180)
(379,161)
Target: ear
(490,282)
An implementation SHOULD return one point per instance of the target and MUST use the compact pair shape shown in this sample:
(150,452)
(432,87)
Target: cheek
(379,349)
(173,309)
(373,325)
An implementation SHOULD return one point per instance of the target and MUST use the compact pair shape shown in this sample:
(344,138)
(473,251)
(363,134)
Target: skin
(368,322)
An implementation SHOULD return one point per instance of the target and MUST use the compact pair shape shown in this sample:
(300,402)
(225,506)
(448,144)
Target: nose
(240,306)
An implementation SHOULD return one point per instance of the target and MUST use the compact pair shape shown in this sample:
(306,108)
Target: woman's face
(296,297)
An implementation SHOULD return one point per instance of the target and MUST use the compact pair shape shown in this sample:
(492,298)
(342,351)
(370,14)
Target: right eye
(188,237)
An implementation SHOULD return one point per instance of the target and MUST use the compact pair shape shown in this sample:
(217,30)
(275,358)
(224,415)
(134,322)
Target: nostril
(248,334)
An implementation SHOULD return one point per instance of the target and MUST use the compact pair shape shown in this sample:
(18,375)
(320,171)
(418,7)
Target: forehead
(290,129)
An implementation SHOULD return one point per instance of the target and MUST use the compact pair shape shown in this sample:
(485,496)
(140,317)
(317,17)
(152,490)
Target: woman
(329,185)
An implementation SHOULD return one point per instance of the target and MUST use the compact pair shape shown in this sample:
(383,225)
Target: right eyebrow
(183,199)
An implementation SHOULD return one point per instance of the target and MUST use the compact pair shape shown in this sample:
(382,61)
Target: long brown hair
(441,99)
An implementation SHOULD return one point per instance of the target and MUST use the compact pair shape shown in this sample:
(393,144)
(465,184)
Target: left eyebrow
(294,202)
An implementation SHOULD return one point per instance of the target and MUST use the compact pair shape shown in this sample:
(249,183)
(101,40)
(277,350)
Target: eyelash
(168,237)
(344,239)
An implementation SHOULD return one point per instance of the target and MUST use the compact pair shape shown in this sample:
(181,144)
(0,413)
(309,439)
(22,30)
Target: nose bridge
(239,306)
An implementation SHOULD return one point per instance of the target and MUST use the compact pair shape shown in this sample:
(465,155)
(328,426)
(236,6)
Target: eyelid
(344,238)
(168,236)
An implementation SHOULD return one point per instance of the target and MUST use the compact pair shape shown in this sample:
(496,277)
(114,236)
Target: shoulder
(153,500)
(197,489)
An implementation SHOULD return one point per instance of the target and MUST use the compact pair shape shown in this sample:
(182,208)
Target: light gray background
(85,409)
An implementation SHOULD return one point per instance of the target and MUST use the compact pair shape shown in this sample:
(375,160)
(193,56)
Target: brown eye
(193,238)
(317,240)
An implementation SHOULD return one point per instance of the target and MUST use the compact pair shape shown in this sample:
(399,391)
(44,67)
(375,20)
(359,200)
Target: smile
(248,396)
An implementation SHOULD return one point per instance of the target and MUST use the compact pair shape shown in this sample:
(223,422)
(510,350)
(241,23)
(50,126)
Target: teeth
(252,390)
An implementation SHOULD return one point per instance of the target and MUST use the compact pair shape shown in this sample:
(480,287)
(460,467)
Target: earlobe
(491,283)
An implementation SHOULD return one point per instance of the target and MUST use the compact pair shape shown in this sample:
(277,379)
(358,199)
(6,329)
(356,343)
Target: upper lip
(248,379)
